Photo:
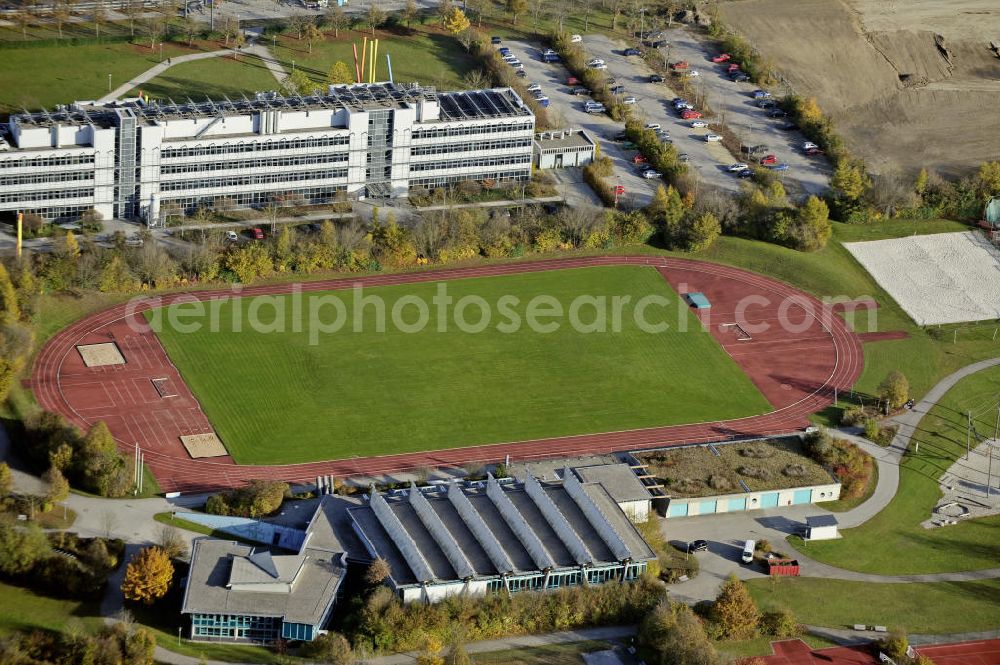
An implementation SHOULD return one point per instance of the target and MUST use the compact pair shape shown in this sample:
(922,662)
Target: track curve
(798,372)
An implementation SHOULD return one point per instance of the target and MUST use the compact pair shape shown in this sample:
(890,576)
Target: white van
(748,549)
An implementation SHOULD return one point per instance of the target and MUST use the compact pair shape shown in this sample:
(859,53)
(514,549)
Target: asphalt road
(805,174)
(552,78)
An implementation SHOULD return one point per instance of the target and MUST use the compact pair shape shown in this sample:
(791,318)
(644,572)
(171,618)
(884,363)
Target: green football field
(277,397)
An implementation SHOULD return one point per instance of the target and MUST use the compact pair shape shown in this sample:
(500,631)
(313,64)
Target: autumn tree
(456,21)
(10,307)
(378,571)
(734,613)
(340,73)
(155,27)
(58,486)
(98,15)
(811,228)
(22,19)
(6,480)
(297,83)
(375,17)
(312,34)
(190,28)
(336,19)
(894,389)
(989,178)
(331,648)
(410,12)
(516,8)
(20,548)
(675,636)
(849,181)
(703,232)
(430,654)
(457,655)
(920,184)
(148,576)
(60,14)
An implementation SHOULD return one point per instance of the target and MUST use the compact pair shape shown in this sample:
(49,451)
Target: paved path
(727,532)
(254,50)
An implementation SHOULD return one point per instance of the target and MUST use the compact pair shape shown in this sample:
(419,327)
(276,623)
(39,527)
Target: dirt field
(910,83)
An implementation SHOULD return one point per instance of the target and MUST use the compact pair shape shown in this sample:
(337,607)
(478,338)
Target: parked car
(692,73)
(550,57)
(517,65)
(503,50)
(575,39)
(722,57)
(684,158)
(256,233)
(788,127)
(632,51)
(594,108)
(698,124)
(697,546)
(732,68)
(629,101)
(739,77)
(809,145)
(776,113)
(231,236)
(508,57)
(649,174)
(639,158)
(767,160)
(617,89)
(712,138)
(761,94)
(520,73)
(578,91)
(780,167)
(680,106)
(655,78)
(594,62)
(543,101)
(745,173)
(690,114)
(619,137)
(653,125)
(679,65)
(657,43)
(813,152)
(737,167)
(601,66)
(496,41)
(572,80)
(533,87)
(548,51)
(766,103)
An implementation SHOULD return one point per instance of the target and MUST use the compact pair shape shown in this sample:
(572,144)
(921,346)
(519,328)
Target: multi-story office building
(131,158)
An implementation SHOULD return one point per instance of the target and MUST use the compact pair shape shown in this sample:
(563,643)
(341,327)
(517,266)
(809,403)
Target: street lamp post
(109,82)
(161,51)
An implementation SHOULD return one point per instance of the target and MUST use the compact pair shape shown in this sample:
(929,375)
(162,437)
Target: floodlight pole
(109,82)
(968,436)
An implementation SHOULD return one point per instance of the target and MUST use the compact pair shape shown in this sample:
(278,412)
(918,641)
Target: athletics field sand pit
(939,278)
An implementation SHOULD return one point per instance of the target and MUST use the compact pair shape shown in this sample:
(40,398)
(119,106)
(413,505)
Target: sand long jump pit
(938,278)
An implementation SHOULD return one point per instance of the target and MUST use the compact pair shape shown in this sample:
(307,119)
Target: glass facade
(567,578)
(235,627)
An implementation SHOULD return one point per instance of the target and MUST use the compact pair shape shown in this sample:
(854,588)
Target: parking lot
(709,160)
(552,78)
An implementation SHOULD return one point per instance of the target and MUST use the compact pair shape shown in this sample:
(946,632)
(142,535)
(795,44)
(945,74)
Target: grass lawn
(944,607)
(26,610)
(426,56)
(893,542)
(552,654)
(214,78)
(45,76)
(276,398)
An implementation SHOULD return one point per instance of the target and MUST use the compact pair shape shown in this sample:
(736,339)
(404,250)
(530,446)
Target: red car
(690,114)
(722,57)
(256,234)
(733,68)
(768,160)
(572,80)
(813,152)
(680,64)
(639,158)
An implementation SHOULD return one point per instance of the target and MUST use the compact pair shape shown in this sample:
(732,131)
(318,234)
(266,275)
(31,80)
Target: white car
(509,58)
(594,62)
(653,125)
(691,73)
(575,39)
(231,236)
(628,100)
(649,174)
(680,106)
(737,167)
(517,65)
(534,87)
(809,145)
(699,123)
(600,66)
(712,138)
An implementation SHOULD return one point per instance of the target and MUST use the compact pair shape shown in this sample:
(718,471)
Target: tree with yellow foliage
(456,21)
(148,576)
(431,653)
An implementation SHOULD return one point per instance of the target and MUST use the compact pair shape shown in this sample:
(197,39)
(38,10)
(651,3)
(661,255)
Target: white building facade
(129,159)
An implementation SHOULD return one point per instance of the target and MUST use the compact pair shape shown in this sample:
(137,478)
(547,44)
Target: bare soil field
(909,83)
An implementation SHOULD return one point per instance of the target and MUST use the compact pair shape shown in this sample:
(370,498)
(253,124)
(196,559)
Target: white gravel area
(938,278)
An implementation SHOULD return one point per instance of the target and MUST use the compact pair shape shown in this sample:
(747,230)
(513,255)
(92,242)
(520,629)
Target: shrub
(780,623)
(257,499)
(794,471)
(852,416)
(757,472)
(719,482)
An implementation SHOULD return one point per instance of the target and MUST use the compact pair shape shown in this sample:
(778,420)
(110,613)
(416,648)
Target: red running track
(797,368)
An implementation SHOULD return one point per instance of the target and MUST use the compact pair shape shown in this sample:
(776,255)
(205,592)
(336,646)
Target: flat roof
(698,300)
(214,562)
(557,140)
(457,105)
(822,520)
(618,479)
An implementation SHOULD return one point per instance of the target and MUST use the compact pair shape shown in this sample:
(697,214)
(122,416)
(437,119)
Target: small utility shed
(564,148)
(821,527)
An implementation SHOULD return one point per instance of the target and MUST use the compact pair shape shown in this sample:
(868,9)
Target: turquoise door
(677,510)
(802,496)
(706,507)
(769,500)
(737,504)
